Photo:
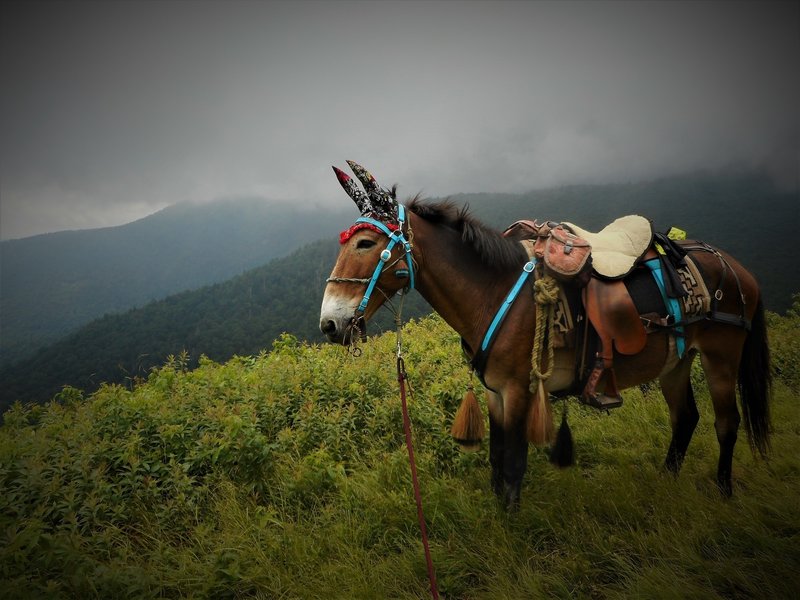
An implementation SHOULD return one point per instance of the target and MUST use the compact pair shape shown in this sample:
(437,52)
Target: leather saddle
(617,248)
(615,251)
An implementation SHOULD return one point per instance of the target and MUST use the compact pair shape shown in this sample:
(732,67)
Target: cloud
(112,110)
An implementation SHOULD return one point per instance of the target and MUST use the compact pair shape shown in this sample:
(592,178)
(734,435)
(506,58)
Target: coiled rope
(545,294)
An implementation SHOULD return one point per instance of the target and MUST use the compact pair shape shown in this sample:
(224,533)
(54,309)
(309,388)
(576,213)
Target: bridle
(397,236)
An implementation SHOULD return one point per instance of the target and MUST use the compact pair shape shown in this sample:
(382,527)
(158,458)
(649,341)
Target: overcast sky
(112,110)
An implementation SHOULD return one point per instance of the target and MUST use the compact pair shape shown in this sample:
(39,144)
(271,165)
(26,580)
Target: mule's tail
(755,383)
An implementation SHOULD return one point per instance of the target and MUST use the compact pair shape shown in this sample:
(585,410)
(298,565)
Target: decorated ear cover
(378,203)
(358,196)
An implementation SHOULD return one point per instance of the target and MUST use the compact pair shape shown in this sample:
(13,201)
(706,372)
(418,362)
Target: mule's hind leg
(677,389)
(720,370)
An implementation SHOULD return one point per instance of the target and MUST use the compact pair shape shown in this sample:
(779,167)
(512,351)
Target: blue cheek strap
(395,237)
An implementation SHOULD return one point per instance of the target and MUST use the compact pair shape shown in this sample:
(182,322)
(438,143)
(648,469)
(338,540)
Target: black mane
(490,246)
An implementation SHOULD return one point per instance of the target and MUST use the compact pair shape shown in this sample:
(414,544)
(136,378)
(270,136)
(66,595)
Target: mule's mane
(491,247)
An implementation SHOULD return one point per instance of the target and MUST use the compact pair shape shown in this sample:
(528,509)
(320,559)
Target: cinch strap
(672,305)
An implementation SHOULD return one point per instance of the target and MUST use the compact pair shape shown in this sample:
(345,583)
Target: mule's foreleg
(515,444)
(508,444)
(496,441)
(515,462)
(677,389)
(496,452)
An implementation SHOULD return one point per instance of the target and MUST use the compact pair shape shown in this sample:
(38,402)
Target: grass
(285,476)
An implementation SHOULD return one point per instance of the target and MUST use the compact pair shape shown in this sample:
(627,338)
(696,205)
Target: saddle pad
(618,246)
(698,300)
(563,323)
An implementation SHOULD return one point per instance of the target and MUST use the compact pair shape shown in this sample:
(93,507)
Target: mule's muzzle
(344,332)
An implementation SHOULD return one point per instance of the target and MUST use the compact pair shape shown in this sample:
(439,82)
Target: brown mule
(465,271)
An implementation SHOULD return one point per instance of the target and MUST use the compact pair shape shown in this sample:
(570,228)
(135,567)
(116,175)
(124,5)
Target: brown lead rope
(401,378)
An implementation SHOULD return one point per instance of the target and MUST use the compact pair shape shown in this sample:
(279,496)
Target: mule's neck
(464,291)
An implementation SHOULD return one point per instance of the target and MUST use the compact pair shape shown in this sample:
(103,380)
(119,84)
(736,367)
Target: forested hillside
(285,476)
(52,284)
(240,316)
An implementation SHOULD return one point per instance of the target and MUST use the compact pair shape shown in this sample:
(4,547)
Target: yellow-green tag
(676,234)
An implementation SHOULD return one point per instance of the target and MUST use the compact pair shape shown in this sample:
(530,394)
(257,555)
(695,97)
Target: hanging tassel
(468,428)
(562,454)
(540,418)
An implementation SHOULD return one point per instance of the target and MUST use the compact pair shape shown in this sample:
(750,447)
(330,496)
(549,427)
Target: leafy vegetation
(784,334)
(284,475)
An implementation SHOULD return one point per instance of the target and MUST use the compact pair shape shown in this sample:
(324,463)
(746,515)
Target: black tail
(755,383)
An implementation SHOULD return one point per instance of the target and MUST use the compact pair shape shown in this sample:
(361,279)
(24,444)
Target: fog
(110,111)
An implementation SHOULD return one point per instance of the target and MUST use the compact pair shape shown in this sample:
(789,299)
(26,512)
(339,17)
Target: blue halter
(395,237)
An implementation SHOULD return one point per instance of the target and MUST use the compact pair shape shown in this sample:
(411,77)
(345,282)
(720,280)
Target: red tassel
(540,418)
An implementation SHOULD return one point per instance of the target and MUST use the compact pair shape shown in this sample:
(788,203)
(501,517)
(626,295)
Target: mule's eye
(364,244)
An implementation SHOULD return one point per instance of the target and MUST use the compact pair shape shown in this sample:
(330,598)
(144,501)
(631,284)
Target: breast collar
(481,356)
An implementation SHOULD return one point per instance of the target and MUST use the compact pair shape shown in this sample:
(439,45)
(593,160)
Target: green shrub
(784,340)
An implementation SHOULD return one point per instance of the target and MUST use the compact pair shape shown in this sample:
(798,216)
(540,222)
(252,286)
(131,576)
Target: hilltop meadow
(284,475)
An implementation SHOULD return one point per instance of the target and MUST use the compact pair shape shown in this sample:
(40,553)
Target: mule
(465,270)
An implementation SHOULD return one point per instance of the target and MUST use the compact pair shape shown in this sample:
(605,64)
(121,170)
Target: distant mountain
(52,284)
(744,215)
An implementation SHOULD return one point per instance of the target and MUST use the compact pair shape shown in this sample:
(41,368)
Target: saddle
(618,246)
(611,254)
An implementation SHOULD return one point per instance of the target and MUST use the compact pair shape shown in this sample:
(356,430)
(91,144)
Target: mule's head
(373,262)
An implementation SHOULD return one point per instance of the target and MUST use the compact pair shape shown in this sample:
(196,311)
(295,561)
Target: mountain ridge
(55,283)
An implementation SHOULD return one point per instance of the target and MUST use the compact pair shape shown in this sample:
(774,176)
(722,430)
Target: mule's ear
(364,176)
(359,197)
(383,203)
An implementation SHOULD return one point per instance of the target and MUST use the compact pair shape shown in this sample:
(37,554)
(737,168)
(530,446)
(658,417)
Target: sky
(110,111)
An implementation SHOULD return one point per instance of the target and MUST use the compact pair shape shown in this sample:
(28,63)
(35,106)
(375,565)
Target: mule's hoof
(725,488)
(602,402)
(512,498)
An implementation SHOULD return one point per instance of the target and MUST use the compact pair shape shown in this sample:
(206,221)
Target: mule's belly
(563,371)
(658,356)
(645,366)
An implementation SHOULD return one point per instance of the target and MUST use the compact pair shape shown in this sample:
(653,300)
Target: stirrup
(604,401)
(601,401)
